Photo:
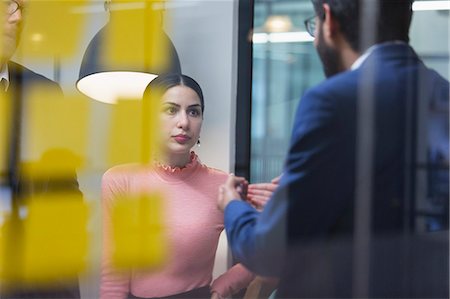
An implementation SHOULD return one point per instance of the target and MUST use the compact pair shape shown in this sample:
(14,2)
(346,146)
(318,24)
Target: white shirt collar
(4,74)
(369,51)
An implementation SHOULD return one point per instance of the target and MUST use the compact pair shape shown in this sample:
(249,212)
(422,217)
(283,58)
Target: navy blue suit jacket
(305,234)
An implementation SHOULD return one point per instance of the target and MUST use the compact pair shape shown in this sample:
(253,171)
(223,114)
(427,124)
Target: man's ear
(329,24)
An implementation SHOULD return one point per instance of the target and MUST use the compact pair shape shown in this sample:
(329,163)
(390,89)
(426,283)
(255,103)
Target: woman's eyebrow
(171,104)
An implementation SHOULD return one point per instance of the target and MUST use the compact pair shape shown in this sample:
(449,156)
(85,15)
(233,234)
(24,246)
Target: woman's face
(181,119)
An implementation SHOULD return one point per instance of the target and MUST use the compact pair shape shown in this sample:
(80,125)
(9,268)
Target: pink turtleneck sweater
(193,225)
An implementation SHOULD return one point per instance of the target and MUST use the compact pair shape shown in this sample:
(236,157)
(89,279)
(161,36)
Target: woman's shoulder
(214,172)
(122,171)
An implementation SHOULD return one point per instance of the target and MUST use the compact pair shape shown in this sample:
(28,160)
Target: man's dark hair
(392,23)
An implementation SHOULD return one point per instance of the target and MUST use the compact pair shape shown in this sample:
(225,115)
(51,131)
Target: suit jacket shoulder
(25,78)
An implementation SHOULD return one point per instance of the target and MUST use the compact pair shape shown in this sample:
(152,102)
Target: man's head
(12,27)
(392,23)
(339,24)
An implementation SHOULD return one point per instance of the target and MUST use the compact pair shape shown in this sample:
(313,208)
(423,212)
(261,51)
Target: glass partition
(285,65)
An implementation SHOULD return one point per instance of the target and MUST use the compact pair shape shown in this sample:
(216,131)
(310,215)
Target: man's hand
(259,194)
(231,190)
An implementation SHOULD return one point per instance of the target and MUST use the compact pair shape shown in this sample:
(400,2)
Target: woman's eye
(194,112)
(170,110)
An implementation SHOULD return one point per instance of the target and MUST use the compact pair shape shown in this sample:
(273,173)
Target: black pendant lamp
(107,79)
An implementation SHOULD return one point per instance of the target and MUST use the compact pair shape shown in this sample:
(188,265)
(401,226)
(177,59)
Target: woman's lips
(181,138)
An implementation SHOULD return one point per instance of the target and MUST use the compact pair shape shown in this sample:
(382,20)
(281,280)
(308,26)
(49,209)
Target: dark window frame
(244,89)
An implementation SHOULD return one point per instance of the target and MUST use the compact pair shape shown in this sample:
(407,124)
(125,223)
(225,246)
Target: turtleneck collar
(170,173)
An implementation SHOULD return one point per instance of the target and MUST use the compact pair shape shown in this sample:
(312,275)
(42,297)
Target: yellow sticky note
(53,27)
(10,252)
(2,20)
(138,239)
(5,133)
(3,246)
(134,135)
(125,133)
(135,37)
(55,133)
(151,125)
(46,242)
(55,242)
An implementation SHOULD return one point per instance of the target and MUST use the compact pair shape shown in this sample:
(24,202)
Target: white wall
(205,35)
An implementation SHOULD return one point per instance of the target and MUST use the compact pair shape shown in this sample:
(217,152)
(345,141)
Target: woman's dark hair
(165,81)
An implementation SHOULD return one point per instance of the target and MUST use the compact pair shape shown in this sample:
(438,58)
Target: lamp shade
(108,79)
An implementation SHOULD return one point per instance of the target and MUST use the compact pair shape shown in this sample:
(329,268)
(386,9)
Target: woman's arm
(113,284)
(232,281)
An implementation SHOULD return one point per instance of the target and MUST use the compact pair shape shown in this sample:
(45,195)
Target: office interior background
(281,64)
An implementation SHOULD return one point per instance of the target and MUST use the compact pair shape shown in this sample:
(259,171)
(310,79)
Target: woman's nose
(183,120)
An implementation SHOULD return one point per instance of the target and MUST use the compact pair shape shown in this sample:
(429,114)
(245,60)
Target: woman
(192,221)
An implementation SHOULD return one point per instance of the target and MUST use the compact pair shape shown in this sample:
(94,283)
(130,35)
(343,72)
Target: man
(345,220)
(18,83)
